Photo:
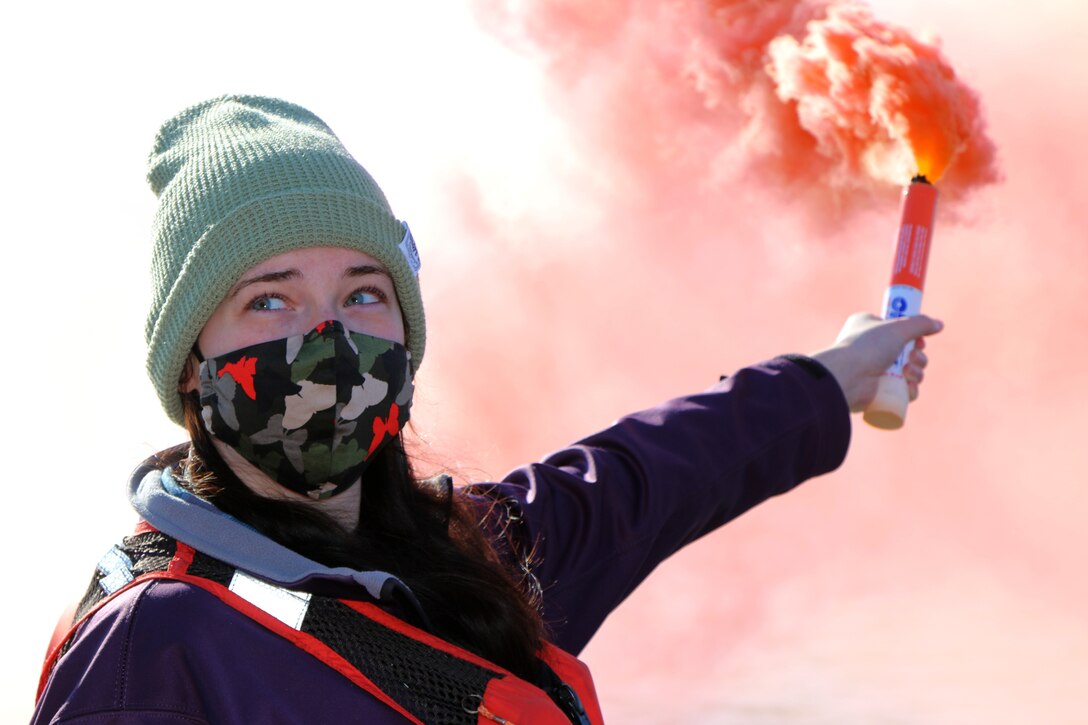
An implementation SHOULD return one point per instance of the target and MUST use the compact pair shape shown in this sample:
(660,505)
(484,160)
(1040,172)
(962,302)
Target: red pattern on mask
(242,372)
(390,426)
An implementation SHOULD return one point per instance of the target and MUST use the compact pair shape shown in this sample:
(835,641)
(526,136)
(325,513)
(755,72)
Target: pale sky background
(937,577)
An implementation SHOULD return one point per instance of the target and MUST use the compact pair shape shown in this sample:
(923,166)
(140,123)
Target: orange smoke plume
(817,99)
(878,100)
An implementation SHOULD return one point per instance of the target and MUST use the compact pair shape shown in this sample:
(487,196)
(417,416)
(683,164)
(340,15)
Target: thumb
(911,328)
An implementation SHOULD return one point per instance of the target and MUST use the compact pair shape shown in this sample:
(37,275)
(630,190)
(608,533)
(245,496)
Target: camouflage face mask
(310,410)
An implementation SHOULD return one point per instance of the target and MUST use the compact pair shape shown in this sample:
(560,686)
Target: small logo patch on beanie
(407,247)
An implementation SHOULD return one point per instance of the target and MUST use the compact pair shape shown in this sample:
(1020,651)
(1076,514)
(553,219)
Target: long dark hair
(429,536)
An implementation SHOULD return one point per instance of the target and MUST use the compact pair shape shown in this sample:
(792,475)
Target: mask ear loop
(187,369)
(186,472)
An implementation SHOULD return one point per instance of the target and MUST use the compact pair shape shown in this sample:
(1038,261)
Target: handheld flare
(903,297)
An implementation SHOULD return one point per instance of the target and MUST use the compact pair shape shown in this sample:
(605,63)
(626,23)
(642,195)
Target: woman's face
(292,293)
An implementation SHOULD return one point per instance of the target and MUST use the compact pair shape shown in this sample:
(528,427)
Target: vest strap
(419,675)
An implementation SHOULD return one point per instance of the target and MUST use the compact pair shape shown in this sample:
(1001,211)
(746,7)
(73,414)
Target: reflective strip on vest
(285,605)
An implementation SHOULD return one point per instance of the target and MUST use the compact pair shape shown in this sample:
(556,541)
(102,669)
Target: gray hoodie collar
(161,501)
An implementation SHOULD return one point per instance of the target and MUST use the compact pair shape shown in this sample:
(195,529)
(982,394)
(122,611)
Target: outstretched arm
(605,511)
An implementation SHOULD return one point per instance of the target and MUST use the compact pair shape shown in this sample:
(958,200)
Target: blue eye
(267,302)
(365,297)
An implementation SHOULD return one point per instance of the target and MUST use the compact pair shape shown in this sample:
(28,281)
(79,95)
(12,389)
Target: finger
(913,374)
(912,391)
(919,358)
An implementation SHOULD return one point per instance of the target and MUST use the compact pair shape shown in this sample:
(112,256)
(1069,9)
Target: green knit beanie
(241,179)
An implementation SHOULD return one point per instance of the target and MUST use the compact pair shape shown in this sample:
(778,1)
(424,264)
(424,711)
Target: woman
(289,567)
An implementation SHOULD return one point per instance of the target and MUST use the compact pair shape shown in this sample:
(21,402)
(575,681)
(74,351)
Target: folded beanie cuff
(283,222)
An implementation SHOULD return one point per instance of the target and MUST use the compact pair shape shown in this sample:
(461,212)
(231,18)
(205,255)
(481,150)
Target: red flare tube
(903,298)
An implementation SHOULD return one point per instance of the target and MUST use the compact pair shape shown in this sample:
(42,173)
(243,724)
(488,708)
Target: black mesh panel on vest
(209,568)
(91,598)
(151,551)
(148,552)
(429,683)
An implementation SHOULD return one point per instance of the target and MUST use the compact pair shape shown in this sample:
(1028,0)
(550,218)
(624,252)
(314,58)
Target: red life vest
(358,640)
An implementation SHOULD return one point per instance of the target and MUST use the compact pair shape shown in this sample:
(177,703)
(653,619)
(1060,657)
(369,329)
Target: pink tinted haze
(726,191)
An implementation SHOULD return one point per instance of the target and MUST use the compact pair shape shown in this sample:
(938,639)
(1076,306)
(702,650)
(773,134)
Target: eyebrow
(268,277)
(366,269)
(362,270)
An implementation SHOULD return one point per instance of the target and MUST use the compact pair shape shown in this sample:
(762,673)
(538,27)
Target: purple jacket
(605,511)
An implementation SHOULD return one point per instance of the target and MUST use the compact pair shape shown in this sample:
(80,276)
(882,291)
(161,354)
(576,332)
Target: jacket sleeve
(604,512)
